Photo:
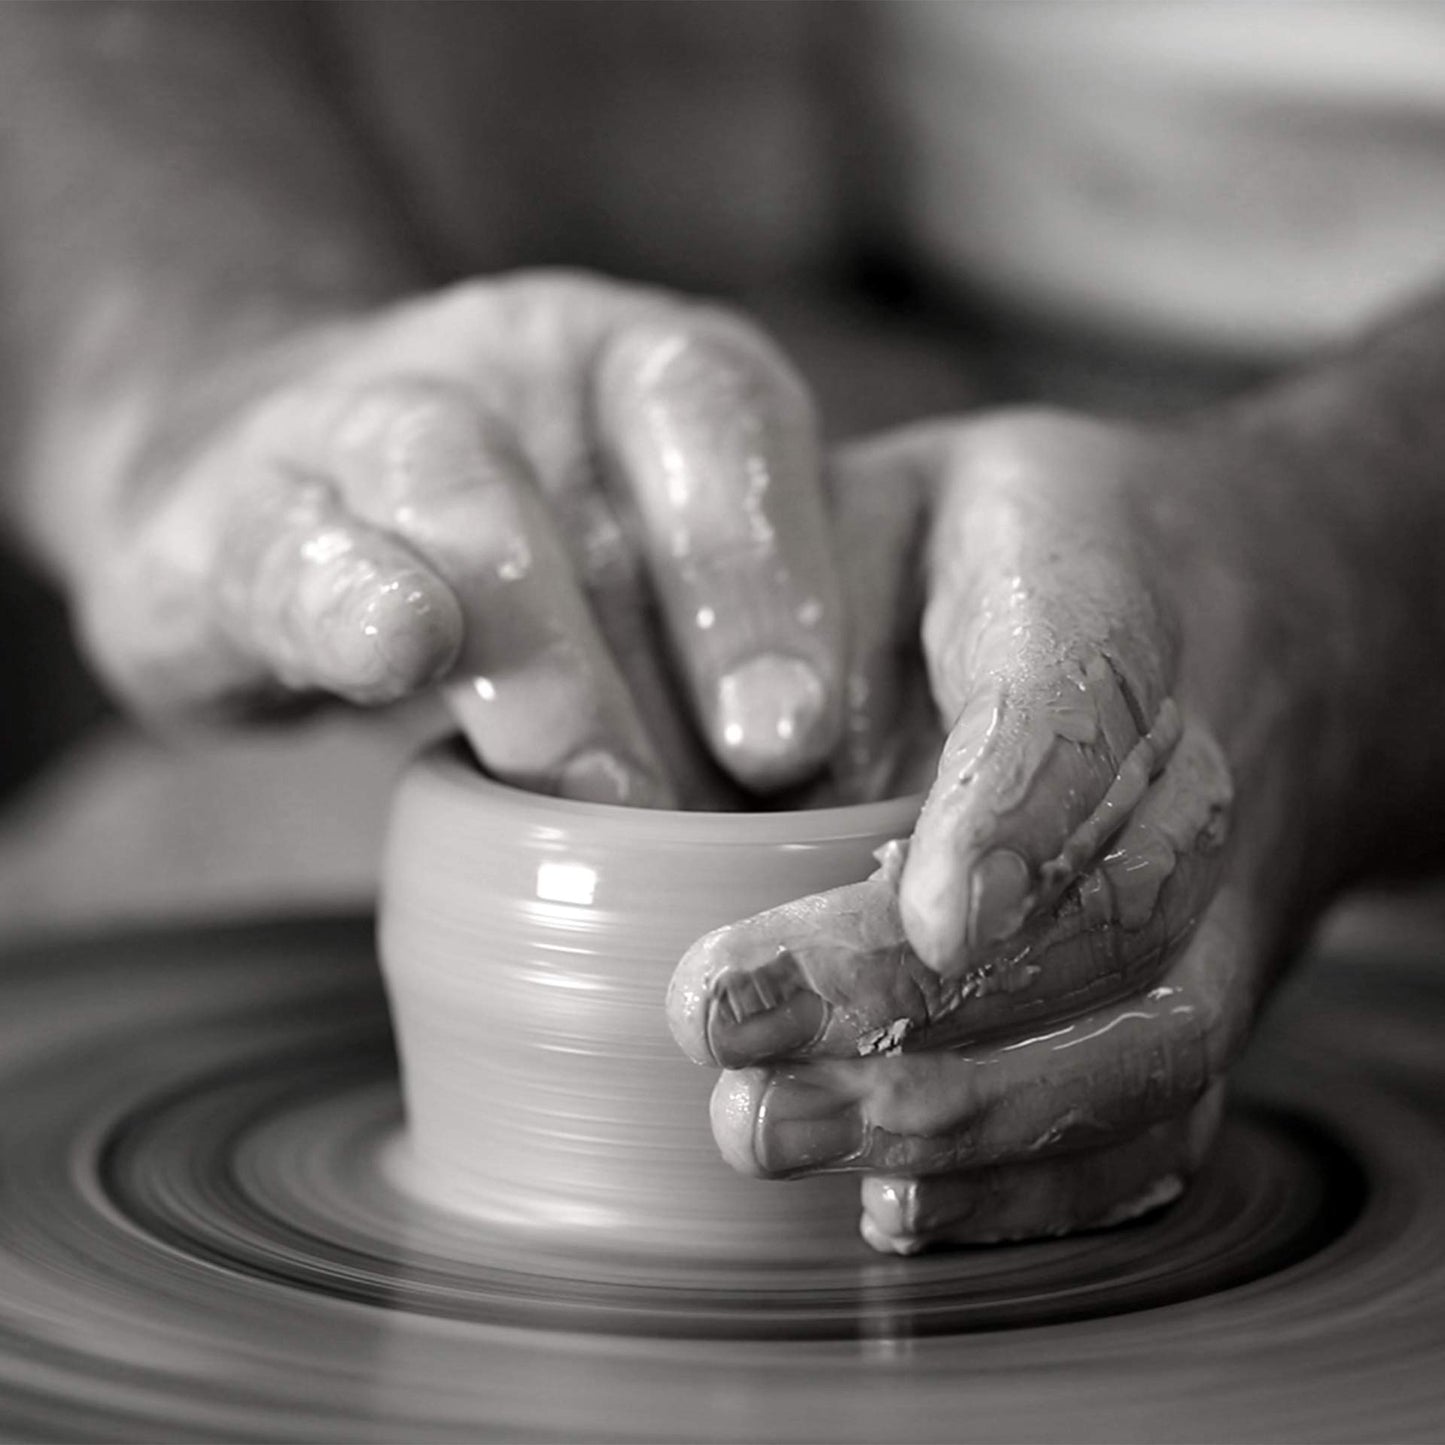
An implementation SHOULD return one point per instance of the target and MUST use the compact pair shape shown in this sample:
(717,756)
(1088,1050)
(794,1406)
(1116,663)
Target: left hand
(515,487)
(1018,1025)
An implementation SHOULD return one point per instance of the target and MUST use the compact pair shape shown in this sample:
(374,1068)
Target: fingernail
(892,1204)
(596,775)
(999,897)
(801,1128)
(759,1015)
(379,640)
(769,712)
(416,629)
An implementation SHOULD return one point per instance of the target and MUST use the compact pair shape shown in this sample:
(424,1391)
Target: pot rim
(449,765)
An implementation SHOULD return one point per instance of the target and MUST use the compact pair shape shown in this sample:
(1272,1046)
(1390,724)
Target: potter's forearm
(1333,482)
(178,190)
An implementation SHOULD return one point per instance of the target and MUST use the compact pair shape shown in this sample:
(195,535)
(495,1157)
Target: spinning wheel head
(209,1233)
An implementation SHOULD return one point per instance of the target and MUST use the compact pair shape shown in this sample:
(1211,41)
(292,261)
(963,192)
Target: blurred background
(1130,207)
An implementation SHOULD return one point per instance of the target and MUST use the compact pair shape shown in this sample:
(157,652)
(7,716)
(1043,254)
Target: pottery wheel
(206,1233)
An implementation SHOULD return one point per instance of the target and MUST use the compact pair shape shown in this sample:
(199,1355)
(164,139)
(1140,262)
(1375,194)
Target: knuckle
(512,312)
(565,286)
(1020,442)
(471,301)
(491,522)
(548,312)
(390,415)
(702,350)
(730,332)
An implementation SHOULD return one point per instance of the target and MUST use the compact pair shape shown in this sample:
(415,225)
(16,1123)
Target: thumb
(1050,659)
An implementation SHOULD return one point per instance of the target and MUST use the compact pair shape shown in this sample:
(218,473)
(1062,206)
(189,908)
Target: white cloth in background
(1243,179)
(1246,179)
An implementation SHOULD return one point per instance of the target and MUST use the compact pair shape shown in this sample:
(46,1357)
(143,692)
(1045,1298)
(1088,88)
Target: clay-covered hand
(1018,1026)
(473,486)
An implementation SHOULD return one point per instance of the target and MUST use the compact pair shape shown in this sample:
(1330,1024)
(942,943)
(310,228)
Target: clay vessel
(527,944)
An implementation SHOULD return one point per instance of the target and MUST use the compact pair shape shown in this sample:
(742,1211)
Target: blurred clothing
(1247,179)
(1241,179)
(1127,206)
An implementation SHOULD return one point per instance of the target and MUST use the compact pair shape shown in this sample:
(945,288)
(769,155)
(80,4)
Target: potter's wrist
(1265,598)
(1340,538)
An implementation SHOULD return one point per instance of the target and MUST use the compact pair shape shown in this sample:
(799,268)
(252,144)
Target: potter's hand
(472,487)
(1017,1025)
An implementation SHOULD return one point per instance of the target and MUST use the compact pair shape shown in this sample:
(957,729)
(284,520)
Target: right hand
(482,487)
(1020,1025)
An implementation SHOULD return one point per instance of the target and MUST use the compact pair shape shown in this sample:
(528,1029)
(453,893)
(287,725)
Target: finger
(1037,1198)
(610,570)
(816,976)
(230,597)
(1083,1084)
(879,507)
(835,976)
(711,437)
(534,686)
(830,975)
(319,599)
(1050,661)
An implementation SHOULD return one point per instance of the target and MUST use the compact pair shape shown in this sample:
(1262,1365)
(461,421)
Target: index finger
(533,684)
(710,435)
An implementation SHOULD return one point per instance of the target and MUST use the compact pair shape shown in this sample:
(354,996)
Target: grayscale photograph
(723,721)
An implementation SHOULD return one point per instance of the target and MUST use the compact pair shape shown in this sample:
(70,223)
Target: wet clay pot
(527,944)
